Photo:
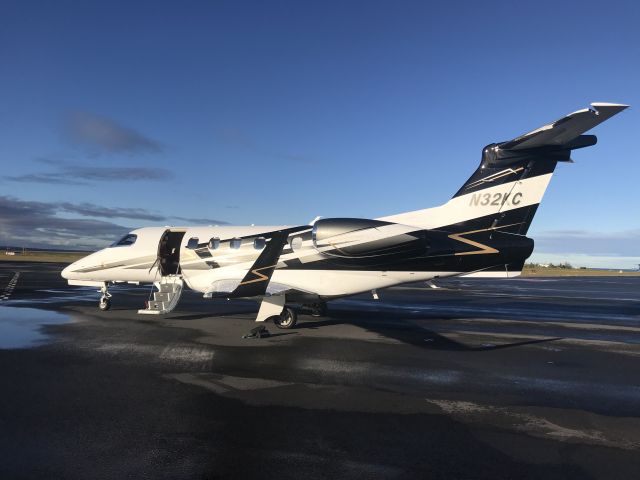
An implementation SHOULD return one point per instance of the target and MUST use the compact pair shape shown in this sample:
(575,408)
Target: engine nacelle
(357,237)
(366,242)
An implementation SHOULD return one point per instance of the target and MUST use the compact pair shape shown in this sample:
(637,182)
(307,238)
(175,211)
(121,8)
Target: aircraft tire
(287,319)
(104,304)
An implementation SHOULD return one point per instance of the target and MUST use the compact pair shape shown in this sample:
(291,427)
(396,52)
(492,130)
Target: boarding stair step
(162,296)
(166,297)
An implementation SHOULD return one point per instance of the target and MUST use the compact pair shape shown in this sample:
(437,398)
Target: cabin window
(296,243)
(235,243)
(192,244)
(259,243)
(126,241)
(214,243)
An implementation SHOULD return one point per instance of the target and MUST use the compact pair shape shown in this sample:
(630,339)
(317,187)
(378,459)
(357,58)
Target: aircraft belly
(139,275)
(203,280)
(119,274)
(326,283)
(336,283)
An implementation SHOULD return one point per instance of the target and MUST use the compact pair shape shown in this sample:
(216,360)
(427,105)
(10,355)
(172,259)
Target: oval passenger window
(193,243)
(296,243)
(235,243)
(214,243)
(259,243)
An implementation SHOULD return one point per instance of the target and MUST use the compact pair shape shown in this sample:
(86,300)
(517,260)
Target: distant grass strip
(43,256)
(536,271)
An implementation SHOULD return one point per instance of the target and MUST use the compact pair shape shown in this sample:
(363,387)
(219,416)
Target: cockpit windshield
(127,240)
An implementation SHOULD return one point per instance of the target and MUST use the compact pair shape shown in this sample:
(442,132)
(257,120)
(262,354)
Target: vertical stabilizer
(505,190)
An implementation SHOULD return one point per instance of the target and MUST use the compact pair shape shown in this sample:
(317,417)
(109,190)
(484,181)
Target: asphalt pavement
(519,378)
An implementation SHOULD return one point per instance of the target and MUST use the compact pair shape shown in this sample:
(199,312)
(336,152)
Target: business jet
(480,232)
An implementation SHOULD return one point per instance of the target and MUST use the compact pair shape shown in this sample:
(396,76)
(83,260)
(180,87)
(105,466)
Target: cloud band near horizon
(38,224)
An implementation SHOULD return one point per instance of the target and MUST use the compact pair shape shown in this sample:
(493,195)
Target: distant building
(9,253)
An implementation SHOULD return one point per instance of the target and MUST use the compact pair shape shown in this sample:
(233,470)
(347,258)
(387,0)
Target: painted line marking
(8,290)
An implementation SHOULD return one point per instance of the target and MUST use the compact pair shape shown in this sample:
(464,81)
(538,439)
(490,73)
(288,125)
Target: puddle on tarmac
(21,327)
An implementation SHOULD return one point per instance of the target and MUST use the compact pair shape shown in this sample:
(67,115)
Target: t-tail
(503,194)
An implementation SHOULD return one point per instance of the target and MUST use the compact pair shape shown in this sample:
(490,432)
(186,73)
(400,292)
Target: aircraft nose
(68,271)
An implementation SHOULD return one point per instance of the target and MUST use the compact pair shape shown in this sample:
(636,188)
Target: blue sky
(125,114)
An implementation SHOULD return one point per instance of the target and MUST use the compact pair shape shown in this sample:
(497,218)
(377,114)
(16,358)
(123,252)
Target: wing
(565,130)
(257,279)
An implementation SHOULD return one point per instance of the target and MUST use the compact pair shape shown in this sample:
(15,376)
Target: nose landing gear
(105,300)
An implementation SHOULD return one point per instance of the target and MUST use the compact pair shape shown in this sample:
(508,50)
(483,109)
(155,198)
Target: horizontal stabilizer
(563,132)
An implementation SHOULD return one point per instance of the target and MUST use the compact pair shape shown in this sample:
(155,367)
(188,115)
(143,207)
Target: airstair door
(169,252)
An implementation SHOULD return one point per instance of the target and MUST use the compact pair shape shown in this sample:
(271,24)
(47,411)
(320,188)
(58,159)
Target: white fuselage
(481,231)
(138,263)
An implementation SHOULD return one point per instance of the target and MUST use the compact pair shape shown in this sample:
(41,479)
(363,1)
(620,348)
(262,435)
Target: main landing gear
(286,320)
(105,299)
(318,309)
(273,309)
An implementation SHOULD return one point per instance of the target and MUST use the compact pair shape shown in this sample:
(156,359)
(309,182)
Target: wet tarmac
(521,378)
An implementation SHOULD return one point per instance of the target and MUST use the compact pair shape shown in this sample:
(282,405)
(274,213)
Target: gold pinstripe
(483,249)
(494,176)
(261,276)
